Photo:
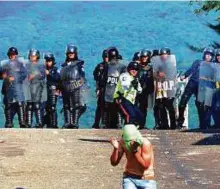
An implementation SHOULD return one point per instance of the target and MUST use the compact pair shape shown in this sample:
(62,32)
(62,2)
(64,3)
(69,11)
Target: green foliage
(208,6)
(205,8)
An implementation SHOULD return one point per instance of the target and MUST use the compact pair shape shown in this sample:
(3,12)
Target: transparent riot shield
(35,83)
(206,83)
(114,71)
(14,75)
(165,73)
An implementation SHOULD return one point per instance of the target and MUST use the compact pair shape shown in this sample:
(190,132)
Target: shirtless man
(139,170)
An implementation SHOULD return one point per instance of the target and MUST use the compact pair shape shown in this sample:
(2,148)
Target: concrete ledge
(79,159)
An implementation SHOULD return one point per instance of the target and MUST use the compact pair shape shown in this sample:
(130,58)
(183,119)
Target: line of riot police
(150,82)
(125,93)
(31,87)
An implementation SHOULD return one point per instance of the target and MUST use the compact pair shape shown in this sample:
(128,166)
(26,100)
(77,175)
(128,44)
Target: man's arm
(144,154)
(117,152)
(191,69)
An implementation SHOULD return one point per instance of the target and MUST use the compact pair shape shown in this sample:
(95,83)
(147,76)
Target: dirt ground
(79,159)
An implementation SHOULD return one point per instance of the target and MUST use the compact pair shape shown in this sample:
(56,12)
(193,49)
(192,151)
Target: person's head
(208,54)
(113,53)
(49,59)
(145,56)
(105,56)
(12,53)
(136,57)
(71,52)
(133,68)
(130,134)
(34,55)
(217,55)
(164,53)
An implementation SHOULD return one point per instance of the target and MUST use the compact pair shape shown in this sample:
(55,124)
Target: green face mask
(129,133)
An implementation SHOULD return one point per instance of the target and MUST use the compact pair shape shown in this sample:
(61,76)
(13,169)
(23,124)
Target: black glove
(135,84)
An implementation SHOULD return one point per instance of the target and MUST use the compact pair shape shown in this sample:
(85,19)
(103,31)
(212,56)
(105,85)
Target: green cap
(130,132)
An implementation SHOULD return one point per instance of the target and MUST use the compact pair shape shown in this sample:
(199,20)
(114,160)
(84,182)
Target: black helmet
(165,50)
(49,57)
(133,66)
(105,54)
(210,51)
(136,56)
(155,52)
(71,49)
(12,50)
(217,53)
(34,52)
(113,53)
(145,52)
(120,57)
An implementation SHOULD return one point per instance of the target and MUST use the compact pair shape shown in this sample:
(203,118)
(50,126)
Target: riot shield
(216,96)
(36,86)
(206,83)
(15,74)
(71,78)
(165,73)
(114,71)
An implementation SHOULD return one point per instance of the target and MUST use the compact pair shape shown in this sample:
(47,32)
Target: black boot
(119,121)
(8,119)
(67,117)
(29,114)
(76,115)
(53,117)
(98,114)
(38,115)
(21,115)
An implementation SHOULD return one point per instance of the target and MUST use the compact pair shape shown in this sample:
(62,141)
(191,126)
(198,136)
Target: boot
(29,114)
(8,119)
(119,121)
(38,115)
(21,115)
(76,115)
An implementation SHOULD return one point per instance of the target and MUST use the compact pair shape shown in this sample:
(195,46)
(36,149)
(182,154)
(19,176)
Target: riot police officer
(125,94)
(165,73)
(72,77)
(13,73)
(99,74)
(111,116)
(192,89)
(36,88)
(146,81)
(53,79)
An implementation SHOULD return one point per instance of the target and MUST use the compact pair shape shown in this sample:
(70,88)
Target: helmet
(34,52)
(155,52)
(133,66)
(210,51)
(49,57)
(120,57)
(112,53)
(136,56)
(12,50)
(105,54)
(217,53)
(165,50)
(71,49)
(145,52)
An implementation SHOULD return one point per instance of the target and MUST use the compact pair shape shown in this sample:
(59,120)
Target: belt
(141,177)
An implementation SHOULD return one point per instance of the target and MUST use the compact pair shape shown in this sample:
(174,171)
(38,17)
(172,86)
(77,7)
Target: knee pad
(29,107)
